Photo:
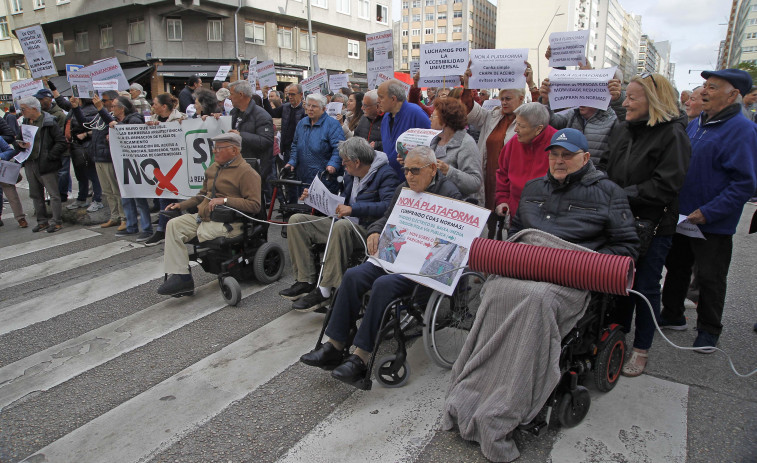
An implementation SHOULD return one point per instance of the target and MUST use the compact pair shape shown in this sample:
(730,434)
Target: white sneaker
(95,206)
(76,205)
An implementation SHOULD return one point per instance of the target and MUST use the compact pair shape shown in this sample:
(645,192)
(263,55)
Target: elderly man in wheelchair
(368,188)
(421,175)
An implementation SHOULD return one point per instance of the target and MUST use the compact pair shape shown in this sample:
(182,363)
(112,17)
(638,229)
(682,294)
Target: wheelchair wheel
(387,376)
(449,319)
(268,263)
(573,407)
(609,361)
(231,291)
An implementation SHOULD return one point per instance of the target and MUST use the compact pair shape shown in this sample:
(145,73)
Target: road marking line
(53,366)
(57,239)
(64,263)
(160,416)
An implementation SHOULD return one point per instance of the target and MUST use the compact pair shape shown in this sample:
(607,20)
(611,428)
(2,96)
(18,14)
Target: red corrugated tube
(592,271)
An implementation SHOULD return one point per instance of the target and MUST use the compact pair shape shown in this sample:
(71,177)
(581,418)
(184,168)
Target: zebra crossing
(74,401)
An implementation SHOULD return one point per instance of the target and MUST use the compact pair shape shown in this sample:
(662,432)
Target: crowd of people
(612,180)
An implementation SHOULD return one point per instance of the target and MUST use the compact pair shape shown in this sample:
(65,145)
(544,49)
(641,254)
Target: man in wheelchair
(368,188)
(229,181)
(421,175)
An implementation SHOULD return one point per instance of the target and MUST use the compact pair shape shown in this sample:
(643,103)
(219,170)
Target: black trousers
(712,258)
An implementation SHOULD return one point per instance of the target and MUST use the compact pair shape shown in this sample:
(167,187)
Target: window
(416,3)
(754,7)
(751,35)
(442,2)
(343,6)
(254,32)
(136,30)
(382,14)
(21,70)
(457,14)
(416,32)
(305,45)
(173,29)
(751,22)
(284,37)
(62,2)
(363,8)
(429,30)
(457,28)
(4,31)
(441,29)
(416,46)
(106,36)
(416,17)
(429,16)
(405,4)
(39,4)
(16,8)
(82,41)
(429,2)
(58,48)
(405,60)
(442,16)
(353,49)
(215,30)
(320,3)
(404,46)
(5,67)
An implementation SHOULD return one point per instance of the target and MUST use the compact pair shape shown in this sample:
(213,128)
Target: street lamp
(538,49)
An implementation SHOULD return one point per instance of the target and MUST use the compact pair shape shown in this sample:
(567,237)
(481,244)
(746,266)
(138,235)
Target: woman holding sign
(648,158)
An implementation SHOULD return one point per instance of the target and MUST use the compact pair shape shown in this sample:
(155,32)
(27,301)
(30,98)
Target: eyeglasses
(648,74)
(415,170)
(566,156)
(223,147)
(292,94)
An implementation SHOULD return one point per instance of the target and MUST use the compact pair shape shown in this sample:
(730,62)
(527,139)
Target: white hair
(242,87)
(371,95)
(31,102)
(317,98)
(424,153)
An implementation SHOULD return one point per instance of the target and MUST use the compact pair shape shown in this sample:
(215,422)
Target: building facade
(12,65)
(740,44)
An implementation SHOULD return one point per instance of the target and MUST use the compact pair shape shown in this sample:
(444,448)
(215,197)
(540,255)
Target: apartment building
(740,44)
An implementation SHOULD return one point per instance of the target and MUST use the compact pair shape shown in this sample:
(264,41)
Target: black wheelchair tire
(391,380)
(609,361)
(231,291)
(268,263)
(573,407)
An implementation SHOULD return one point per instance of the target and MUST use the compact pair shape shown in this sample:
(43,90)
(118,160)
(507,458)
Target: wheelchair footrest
(536,427)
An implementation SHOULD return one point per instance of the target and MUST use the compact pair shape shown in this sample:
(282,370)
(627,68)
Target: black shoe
(706,341)
(126,233)
(351,371)
(54,227)
(314,300)
(176,287)
(40,227)
(297,290)
(326,357)
(156,238)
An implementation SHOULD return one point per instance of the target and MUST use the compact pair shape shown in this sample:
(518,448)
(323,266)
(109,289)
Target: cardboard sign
(379,46)
(222,73)
(72,68)
(501,69)
(34,44)
(441,81)
(24,88)
(414,137)
(444,59)
(568,48)
(166,160)
(252,72)
(335,108)
(320,198)
(28,132)
(317,83)
(9,172)
(374,68)
(430,235)
(338,82)
(568,89)
(101,86)
(81,84)
(491,103)
(107,69)
(267,74)
(381,78)
(415,67)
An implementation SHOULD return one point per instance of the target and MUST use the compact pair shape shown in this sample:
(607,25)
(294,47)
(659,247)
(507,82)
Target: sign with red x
(164,180)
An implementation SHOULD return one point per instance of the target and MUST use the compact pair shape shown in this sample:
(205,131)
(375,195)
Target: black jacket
(186,98)
(370,130)
(289,119)
(12,121)
(441,187)
(650,164)
(255,126)
(587,209)
(8,134)
(52,145)
(89,116)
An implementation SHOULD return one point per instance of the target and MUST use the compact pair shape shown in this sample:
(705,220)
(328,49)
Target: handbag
(646,229)
(223,214)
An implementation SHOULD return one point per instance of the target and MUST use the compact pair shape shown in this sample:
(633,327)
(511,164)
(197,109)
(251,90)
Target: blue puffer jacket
(721,176)
(375,191)
(315,147)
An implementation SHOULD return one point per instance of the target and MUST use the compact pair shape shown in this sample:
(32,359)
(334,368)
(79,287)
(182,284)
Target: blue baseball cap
(570,139)
(43,93)
(741,80)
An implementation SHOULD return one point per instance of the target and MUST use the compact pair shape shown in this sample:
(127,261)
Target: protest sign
(252,72)
(81,84)
(27,134)
(320,198)
(338,82)
(379,55)
(101,86)
(9,172)
(34,44)
(430,235)
(72,68)
(415,68)
(439,81)
(374,68)
(444,59)
(332,109)
(491,103)
(166,160)
(222,73)
(568,89)
(107,69)
(688,229)
(22,88)
(267,74)
(317,83)
(381,77)
(503,68)
(414,137)
(568,48)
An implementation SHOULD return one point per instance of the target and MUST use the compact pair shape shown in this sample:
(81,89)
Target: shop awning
(184,71)
(131,74)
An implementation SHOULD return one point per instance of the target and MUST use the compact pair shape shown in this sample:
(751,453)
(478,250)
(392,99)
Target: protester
(9,189)
(186,97)
(421,176)
(369,126)
(720,180)
(456,153)
(483,95)
(648,157)
(138,100)
(399,116)
(749,104)
(253,124)
(509,364)
(315,148)
(42,165)
(290,114)
(224,103)
(12,121)
(694,104)
(80,139)
(524,157)
(206,102)
(369,185)
(232,182)
(685,95)
(274,97)
(430,96)
(354,114)
(45,98)
(8,134)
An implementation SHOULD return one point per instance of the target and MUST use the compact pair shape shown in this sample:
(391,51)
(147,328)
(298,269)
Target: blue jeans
(647,282)
(356,282)
(64,177)
(131,206)
(162,219)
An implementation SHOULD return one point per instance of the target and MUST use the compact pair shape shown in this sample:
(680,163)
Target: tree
(749,67)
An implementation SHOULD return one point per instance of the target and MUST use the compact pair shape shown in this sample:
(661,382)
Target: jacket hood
(380,160)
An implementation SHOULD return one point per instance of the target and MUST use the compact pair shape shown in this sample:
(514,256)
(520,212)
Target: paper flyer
(568,89)
(320,198)
(414,137)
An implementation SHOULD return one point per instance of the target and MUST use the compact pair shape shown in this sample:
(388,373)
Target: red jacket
(519,163)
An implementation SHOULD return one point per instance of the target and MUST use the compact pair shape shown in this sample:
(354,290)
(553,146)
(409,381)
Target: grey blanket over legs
(508,366)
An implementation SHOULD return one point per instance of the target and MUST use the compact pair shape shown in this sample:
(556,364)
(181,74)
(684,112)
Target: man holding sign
(368,189)
(399,115)
(421,174)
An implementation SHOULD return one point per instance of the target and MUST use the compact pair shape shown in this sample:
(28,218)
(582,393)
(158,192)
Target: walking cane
(325,251)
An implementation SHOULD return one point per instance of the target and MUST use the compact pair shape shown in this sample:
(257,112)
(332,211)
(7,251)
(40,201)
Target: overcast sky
(691,26)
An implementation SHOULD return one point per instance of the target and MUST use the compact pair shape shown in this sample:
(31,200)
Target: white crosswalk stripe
(46,242)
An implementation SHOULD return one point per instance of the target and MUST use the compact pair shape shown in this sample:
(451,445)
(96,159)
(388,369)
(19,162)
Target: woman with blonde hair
(648,158)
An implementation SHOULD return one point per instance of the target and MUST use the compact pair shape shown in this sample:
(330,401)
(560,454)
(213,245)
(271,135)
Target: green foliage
(751,68)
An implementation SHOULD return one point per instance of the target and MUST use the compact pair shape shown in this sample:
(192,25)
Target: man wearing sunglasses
(421,176)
